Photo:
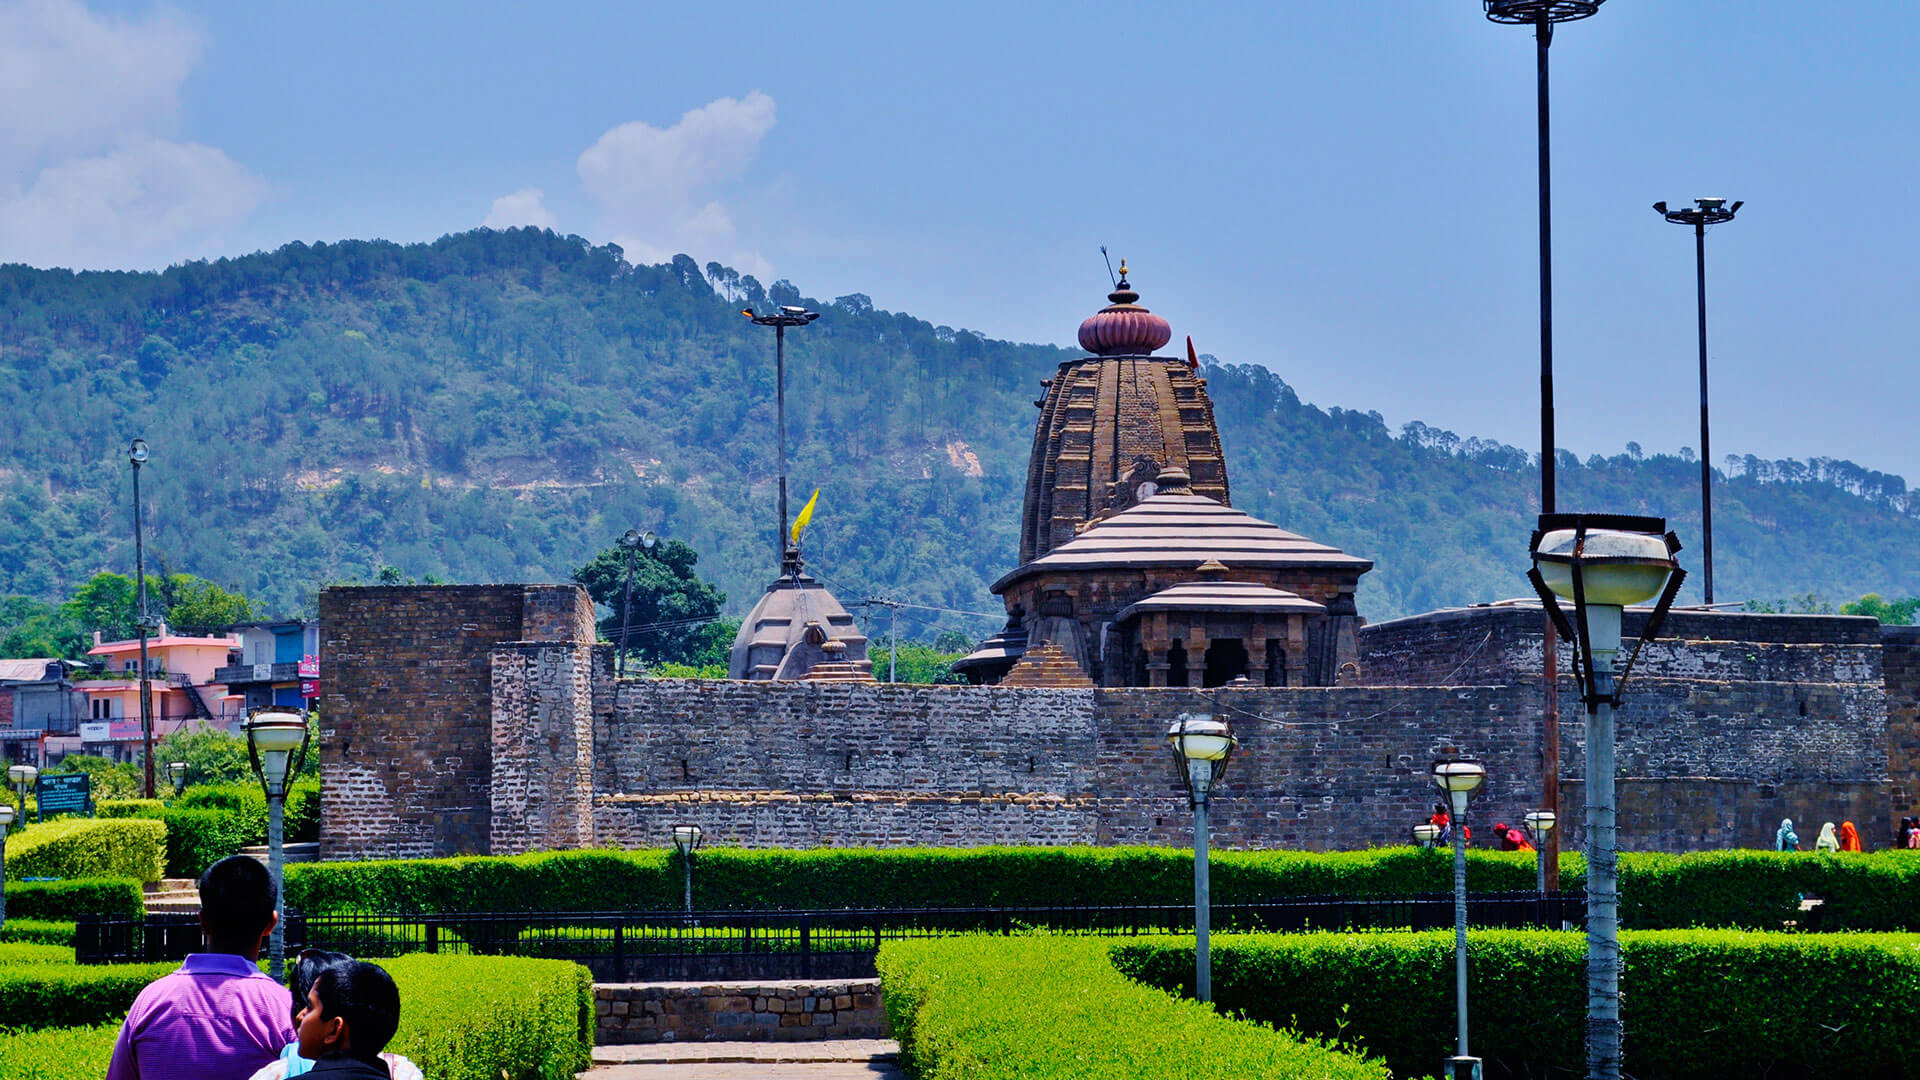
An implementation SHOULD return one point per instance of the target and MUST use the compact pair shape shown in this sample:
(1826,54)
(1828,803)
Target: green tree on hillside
(673,608)
(1889,612)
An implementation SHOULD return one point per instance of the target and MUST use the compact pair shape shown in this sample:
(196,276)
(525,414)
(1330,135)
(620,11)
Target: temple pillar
(1196,656)
(1257,653)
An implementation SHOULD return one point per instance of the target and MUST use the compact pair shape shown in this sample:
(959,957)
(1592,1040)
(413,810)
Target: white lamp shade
(1616,567)
(1200,739)
(1541,822)
(1426,832)
(281,730)
(6,814)
(1462,777)
(686,837)
(22,774)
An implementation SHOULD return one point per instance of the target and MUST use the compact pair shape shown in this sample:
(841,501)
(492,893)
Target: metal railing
(650,946)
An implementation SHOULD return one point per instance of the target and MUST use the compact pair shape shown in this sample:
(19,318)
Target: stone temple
(1135,570)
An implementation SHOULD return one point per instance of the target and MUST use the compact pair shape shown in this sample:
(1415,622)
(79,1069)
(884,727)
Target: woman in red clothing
(1849,837)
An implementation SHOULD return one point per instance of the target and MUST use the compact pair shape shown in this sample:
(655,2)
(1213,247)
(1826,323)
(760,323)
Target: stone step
(308,851)
(871,1051)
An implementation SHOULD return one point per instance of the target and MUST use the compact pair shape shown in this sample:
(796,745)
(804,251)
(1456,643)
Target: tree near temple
(673,607)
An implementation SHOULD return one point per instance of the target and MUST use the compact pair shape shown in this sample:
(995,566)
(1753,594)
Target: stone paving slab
(769,1053)
(752,1070)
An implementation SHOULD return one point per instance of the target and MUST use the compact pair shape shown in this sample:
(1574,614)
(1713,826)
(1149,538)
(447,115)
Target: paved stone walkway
(835,1059)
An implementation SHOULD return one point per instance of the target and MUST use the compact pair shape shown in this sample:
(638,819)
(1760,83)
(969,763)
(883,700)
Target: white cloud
(523,207)
(88,175)
(655,187)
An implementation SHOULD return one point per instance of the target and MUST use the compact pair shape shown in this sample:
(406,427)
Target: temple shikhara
(1135,570)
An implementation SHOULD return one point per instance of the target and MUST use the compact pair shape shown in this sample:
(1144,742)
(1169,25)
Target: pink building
(185,694)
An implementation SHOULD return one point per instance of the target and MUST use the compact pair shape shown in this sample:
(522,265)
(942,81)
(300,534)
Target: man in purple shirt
(219,1016)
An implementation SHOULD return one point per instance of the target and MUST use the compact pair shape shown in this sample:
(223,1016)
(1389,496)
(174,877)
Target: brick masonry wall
(406,752)
(747,1012)
(788,765)
(1902,663)
(542,735)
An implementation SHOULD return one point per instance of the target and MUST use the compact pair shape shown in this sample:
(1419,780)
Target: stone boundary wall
(1505,645)
(406,709)
(1902,664)
(1706,764)
(738,1012)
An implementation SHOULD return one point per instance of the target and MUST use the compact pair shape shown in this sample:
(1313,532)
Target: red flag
(1193,359)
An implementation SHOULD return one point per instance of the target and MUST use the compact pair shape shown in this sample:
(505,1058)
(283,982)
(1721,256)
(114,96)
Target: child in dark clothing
(352,1011)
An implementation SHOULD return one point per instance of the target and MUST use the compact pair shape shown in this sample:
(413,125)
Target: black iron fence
(652,946)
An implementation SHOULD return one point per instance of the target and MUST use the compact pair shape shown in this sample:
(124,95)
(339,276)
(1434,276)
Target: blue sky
(1342,191)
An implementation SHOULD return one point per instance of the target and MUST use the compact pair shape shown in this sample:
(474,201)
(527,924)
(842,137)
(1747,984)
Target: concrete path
(836,1059)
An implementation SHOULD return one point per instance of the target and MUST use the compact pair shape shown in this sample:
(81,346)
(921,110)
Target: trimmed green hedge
(198,837)
(1050,1008)
(16,952)
(855,877)
(1697,1003)
(70,995)
(51,1053)
(120,808)
(89,847)
(1749,889)
(38,932)
(494,1017)
(65,900)
(248,803)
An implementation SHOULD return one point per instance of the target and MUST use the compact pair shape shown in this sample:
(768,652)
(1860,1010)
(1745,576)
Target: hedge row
(67,900)
(38,932)
(1750,889)
(119,808)
(69,994)
(462,1018)
(55,1053)
(89,847)
(1039,1008)
(494,1017)
(1697,1003)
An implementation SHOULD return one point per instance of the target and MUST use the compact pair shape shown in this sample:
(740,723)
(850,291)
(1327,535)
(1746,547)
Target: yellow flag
(806,515)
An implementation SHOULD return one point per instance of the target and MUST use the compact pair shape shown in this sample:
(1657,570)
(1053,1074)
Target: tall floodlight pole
(788,315)
(1705,212)
(137,454)
(1541,15)
(1602,563)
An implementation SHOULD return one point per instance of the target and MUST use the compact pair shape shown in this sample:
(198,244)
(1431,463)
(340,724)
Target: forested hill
(500,405)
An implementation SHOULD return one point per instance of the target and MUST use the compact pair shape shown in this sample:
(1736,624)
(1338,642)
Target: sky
(1344,192)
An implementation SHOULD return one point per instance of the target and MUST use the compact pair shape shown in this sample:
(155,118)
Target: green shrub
(119,808)
(14,952)
(57,1053)
(65,900)
(302,822)
(1040,1008)
(1699,1003)
(198,837)
(246,800)
(71,995)
(89,847)
(493,1018)
(38,932)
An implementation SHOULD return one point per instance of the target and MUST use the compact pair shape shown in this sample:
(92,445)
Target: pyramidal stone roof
(1180,529)
(1229,597)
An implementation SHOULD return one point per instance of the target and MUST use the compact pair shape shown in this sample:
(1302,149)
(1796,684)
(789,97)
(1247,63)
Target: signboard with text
(310,688)
(64,793)
(309,666)
(96,732)
(125,730)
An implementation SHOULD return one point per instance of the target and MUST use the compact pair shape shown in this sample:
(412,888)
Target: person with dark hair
(219,1016)
(352,1012)
(301,976)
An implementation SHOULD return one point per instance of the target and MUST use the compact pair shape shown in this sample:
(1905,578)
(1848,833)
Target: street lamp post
(21,777)
(686,840)
(1542,15)
(1603,562)
(1201,746)
(177,772)
(632,540)
(6,819)
(1458,780)
(788,315)
(277,744)
(137,455)
(1705,212)
(1540,825)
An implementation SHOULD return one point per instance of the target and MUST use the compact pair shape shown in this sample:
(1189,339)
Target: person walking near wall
(1849,837)
(1786,839)
(1828,840)
(1910,833)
